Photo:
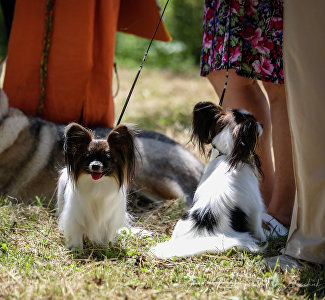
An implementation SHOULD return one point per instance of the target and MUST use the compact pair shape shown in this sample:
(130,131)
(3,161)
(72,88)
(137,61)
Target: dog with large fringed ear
(227,209)
(92,188)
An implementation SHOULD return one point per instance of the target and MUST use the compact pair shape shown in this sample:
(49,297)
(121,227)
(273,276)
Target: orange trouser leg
(79,71)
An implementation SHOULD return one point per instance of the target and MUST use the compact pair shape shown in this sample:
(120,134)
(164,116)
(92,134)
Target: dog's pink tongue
(96,176)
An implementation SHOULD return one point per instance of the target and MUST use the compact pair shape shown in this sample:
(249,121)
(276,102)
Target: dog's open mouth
(96,176)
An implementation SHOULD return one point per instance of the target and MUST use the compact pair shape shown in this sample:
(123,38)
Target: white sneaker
(274,227)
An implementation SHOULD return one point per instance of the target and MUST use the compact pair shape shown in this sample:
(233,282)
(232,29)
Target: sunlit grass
(34,263)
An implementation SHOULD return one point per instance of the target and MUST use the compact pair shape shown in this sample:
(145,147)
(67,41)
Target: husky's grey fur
(31,156)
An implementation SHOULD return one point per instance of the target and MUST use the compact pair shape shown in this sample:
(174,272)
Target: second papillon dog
(227,209)
(92,188)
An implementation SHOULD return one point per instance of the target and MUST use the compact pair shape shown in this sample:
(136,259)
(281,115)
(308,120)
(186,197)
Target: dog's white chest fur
(92,208)
(221,186)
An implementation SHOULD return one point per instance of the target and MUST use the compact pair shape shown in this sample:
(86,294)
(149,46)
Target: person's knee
(217,79)
(275,92)
(235,82)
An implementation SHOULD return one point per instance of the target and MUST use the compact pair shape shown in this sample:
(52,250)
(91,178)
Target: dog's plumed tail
(182,247)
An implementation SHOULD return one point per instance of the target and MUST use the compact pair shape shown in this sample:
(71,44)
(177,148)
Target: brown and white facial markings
(98,160)
(114,156)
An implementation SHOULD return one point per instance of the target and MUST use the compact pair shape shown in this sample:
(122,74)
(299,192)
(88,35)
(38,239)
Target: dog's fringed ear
(122,145)
(76,139)
(205,123)
(245,145)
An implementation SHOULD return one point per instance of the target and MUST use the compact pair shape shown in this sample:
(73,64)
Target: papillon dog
(227,208)
(92,188)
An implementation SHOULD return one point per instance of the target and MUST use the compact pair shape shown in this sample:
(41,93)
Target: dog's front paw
(75,243)
(72,246)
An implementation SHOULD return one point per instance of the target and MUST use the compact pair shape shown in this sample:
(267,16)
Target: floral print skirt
(255,44)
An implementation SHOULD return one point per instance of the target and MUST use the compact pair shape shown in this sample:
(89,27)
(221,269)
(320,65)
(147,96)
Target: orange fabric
(78,86)
(79,70)
(24,53)
(140,17)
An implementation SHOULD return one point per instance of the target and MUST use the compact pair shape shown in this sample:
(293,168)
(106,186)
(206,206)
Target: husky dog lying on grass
(31,156)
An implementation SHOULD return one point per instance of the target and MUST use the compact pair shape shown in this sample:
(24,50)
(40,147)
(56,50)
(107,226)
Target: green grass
(34,264)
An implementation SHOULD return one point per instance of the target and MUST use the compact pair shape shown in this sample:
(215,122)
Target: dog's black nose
(95,166)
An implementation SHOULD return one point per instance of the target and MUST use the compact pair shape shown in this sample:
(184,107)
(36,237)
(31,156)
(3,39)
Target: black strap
(142,63)
(117,80)
(227,68)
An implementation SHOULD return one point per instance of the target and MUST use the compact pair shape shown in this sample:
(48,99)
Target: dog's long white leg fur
(258,229)
(75,238)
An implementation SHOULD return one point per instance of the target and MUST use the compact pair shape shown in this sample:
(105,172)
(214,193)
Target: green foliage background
(183,19)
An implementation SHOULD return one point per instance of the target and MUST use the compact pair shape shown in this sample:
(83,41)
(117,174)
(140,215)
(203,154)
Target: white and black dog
(92,189)
(227,209)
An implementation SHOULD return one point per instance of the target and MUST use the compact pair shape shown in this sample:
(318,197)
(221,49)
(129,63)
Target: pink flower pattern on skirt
(255,45)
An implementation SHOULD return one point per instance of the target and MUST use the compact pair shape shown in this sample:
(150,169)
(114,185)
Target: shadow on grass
(312,282)
(275,245)
(100,253)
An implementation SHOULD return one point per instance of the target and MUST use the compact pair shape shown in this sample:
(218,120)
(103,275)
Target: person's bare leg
(245,93)
(283,195)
